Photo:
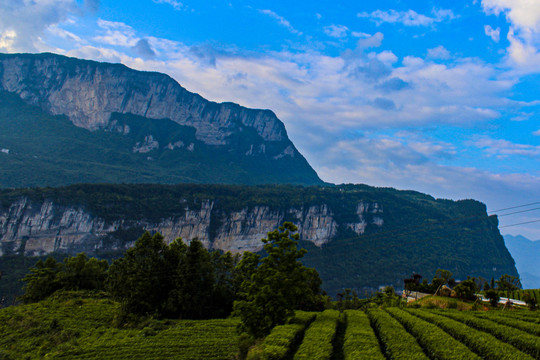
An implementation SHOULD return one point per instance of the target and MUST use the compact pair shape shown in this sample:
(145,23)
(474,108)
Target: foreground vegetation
(85,325)
(84,308)
(81,325)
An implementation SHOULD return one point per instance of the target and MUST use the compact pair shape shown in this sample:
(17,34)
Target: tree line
(187,281)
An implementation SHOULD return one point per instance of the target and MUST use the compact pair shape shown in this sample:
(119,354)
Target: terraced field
(83,329)
(71,328)
(396,333)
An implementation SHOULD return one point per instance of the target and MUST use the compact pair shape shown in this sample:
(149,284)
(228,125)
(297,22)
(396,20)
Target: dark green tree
(508,283)
(41,281)
(195,282)
(82,273)
(530,300)
(141,280)
(493,296)
(279,285)
(226,286)
(466,289)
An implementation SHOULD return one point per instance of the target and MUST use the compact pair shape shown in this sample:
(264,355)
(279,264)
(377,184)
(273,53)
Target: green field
(68,326)
(82,328)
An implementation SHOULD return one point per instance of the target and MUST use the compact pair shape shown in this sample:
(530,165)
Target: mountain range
(526,253)
(93,154)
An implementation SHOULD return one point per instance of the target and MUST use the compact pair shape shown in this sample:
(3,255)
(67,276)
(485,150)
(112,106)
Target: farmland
(71,326)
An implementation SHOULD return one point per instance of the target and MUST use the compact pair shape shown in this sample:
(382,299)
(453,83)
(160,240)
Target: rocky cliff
(357,236)
(38,228)
(129,119)
(88,92)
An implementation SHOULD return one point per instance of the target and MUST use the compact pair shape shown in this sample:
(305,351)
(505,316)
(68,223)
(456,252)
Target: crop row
(527,343)
(435,341)
(360,339)
(318,338)
(530,316)
(211,339)
(396,341)
(482,343)
(526,326)
(280,343)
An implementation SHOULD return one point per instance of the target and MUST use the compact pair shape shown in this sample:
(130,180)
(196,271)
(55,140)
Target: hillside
(65,120)
(357,236)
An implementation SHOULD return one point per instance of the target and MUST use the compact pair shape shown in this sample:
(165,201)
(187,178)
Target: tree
(141,280)
(226,285)
(508,283)
(41,281)
(278,285)
(195,282)
(81,273)
(493,296)
(466,289)
(530,300)
(442,277)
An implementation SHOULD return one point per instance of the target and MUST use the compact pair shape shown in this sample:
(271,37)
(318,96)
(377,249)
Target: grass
(72,326)
(441,302)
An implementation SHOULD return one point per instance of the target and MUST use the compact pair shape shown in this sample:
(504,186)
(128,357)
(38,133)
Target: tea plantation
(71,326)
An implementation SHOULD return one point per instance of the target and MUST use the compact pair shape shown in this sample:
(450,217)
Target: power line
(522,223)
(514,207)
(519,212)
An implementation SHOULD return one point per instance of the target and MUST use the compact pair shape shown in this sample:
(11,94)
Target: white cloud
(440,52)
(524,14)
(523,52)
(408,18)
(371,41)
(387,57)
(536,133)
(116,34)
(177,5)
(337,31)
(524,33)
(281,20)
(23,22)
(501,148)
(494,34)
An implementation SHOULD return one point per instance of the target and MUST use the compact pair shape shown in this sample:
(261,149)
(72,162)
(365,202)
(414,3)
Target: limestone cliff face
(37,228)
(88,92)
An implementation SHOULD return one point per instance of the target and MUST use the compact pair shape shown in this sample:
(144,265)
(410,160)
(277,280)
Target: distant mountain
(65,120)
(526,253)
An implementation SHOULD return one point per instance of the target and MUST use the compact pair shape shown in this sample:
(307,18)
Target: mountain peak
(102,96)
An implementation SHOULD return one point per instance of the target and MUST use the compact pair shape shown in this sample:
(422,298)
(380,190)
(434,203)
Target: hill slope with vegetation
(82,326)
(417,233)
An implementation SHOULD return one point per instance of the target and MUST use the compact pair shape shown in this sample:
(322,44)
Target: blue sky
(441,97)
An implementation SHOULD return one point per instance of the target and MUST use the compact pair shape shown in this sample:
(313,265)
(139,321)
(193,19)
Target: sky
(441,97)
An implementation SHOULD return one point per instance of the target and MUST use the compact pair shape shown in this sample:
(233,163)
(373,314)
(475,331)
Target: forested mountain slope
(65,120)
(356,236)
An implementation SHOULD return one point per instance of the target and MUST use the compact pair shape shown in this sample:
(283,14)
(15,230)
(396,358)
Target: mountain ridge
(526,253)
(103,97)
(357,236)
